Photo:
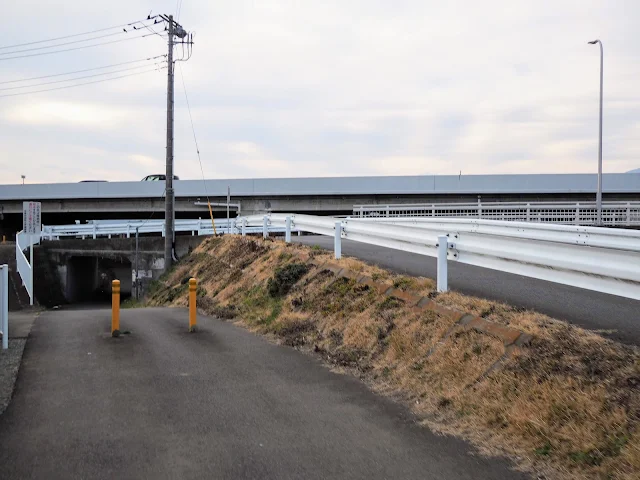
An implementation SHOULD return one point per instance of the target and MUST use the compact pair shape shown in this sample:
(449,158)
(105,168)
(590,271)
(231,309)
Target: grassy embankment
(568,403)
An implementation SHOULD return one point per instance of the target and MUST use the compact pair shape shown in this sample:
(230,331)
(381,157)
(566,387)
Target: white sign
(32,218)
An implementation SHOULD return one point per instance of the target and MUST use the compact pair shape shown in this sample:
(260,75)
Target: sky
(286,88)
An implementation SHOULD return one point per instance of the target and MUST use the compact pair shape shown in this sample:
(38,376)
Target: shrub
(286,277)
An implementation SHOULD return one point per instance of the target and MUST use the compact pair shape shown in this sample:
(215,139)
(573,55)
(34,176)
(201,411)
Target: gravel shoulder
(19,328)
(9,365)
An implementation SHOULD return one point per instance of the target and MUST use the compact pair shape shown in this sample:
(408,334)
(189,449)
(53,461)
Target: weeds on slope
(570,401)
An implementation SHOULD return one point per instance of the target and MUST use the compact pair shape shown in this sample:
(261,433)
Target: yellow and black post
(115,308)
(193,286)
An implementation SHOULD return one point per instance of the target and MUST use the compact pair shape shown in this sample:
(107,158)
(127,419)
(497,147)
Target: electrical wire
(195,140)
(79,78)
(63,44)
(79,34)
(81,84)
(178,8)
(77,48)
(85,70)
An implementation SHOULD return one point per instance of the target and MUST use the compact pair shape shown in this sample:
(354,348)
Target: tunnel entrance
(89,279)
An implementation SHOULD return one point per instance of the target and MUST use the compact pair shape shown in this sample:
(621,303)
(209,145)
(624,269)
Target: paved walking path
(222,403)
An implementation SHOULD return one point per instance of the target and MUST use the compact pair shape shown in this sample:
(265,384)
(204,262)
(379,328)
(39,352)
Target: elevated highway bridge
(65,203)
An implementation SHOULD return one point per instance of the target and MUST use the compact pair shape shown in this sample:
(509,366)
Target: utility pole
(168,205)
(174,29)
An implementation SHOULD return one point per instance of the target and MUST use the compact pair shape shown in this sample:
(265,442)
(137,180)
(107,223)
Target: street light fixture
(23,177)
(599,193)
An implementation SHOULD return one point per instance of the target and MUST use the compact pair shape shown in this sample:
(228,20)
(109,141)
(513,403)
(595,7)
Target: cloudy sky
(345,87)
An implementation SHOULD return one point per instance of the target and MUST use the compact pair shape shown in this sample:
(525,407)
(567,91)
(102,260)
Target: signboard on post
(32,226)
(32,218)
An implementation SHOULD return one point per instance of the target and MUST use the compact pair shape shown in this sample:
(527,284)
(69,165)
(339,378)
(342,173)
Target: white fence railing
(600,259)
(4,305)
(24,266)
(127,228)
(614,214)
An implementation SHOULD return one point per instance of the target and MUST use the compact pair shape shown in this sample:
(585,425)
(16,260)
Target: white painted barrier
(600,259)
(4,305)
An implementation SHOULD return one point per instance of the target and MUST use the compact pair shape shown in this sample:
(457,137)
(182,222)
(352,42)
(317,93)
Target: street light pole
(599,193)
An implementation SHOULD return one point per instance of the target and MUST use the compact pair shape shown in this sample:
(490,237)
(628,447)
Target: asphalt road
(221,403)
(593,310)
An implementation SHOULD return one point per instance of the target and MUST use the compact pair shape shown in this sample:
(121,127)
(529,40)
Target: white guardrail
(127,228)
(614,214)
(4,305)
(24,266)
(601,259)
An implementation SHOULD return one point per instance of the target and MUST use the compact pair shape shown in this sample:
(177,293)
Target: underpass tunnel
(89,279)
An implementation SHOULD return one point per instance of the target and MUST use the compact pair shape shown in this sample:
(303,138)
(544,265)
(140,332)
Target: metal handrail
(577,213)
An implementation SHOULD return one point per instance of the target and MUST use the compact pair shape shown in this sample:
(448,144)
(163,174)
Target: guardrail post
(94,231)
(265,226)
(244,227)
(287,233)
(443,245)
(193,286)
(115,308)
(337,243)
(4,305)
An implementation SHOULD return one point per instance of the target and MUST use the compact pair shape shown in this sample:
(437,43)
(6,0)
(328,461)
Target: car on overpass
(158,178)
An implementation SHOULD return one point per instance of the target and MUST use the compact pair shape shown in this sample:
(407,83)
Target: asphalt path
(222,403)
(618,316)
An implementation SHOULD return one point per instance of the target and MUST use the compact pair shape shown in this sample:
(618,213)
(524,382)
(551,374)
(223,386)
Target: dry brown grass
(570,402)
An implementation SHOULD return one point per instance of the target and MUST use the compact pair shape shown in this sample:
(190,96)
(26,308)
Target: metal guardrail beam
(109,228)
(600,259)
(593,258)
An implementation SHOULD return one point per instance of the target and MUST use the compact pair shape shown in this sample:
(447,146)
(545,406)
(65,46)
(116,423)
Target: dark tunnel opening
(89,279)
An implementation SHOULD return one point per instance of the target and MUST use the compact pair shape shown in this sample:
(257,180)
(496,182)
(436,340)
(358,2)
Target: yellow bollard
(192,304)
(115,308)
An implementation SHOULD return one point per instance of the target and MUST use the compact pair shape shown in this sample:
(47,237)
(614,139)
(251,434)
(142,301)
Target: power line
(79,34)
(78,78)
(178,8)
(77,48)
(70,43)
(85,70)
(195,140)
(81,84)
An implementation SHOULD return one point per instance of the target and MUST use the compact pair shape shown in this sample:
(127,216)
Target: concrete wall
(87,267)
